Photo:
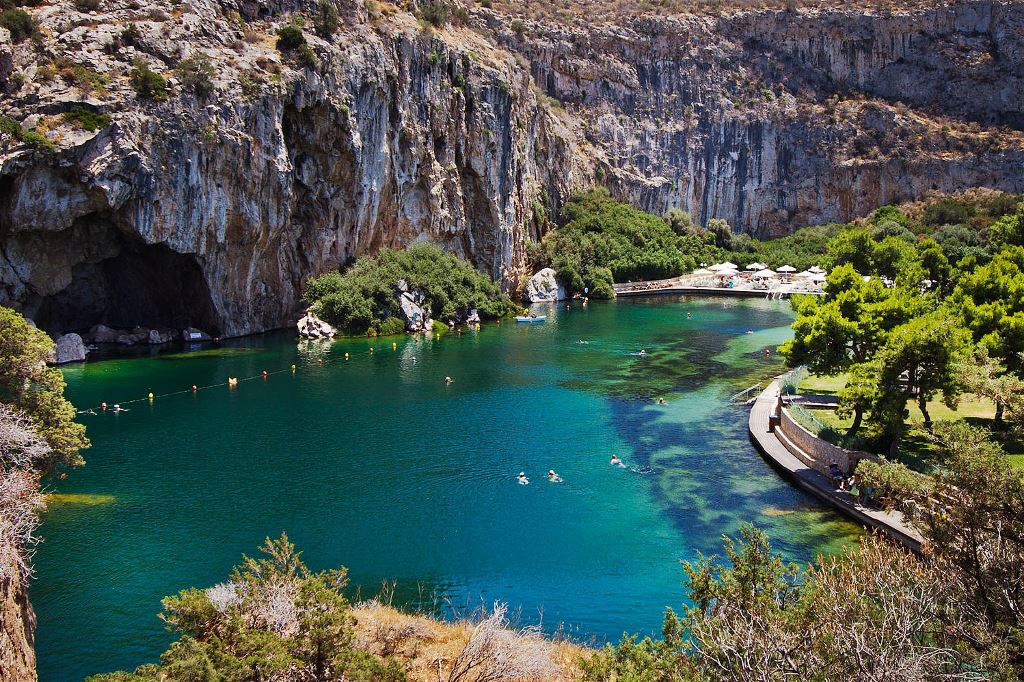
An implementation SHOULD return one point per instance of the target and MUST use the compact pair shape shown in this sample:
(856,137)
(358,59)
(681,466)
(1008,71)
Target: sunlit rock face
(211,211)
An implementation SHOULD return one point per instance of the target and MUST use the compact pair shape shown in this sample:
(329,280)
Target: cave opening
(144,285)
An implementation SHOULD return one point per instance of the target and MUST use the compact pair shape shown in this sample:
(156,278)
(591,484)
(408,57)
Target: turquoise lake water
(375,464)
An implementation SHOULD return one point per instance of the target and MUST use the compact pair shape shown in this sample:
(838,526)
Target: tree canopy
(38,390)
(362,299)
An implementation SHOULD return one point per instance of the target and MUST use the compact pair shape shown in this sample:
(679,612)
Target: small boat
(531,318)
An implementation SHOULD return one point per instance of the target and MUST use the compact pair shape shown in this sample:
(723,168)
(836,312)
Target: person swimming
(553,477)
(689,316)
(118,408)
(643,351)
(661,401)
(448,381)
(750,331)
(523,480)
(616,462)
(581,341)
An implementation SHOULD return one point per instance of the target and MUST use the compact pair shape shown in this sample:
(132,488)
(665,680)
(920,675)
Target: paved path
(816,483)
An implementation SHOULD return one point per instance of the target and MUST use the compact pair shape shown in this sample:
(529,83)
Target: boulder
(543,287)
(312,327)
(473,317)
(126,340)
(69,348)
(412,309)
(159,336)
(193,334)
(101,333)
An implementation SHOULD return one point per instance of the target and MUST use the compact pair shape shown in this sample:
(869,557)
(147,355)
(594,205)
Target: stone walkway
(816,483)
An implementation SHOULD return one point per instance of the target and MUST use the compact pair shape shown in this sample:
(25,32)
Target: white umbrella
(756,266)
(767,272)
(786,268)
(817,277)
(730,266)
(816,270)
(702,271)
(805,273)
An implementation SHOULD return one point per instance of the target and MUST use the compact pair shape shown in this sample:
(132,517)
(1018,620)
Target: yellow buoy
(150,395)
(394,345)
(346,356)
(293,368)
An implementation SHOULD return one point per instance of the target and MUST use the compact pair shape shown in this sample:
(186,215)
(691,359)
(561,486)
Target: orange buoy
(371,350)
(103,406)
(264,374)
(320,361)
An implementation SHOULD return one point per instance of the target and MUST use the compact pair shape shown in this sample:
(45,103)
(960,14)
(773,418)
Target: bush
(10,128)
(948,212)
(87,5)
(85,119)
(37,140)
(891,482)
(274,619)
(290,37)
(362,298)
(392,326)
(326,20)
(306,56)
(435,13)
(601,240)
(196,74)
(20,23)
(148,83)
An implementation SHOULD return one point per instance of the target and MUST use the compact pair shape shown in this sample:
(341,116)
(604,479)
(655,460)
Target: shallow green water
(375,464)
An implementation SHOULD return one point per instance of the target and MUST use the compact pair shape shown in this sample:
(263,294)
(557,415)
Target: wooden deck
(816,483)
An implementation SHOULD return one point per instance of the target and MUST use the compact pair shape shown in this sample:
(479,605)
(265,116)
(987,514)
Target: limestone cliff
(211,209)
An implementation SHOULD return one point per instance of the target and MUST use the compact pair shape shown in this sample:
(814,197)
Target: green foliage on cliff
(86,119)
(20,23)
(274,619)
(196,73)
(601,240)
(28,384)
(362,299)
(148,83)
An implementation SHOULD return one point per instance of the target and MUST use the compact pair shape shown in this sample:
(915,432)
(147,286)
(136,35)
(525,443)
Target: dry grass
(425,644)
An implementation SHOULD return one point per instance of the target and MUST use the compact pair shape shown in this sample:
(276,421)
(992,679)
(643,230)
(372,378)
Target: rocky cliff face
(211,210)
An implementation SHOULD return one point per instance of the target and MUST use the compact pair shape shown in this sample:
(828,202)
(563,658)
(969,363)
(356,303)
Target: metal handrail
(755,387)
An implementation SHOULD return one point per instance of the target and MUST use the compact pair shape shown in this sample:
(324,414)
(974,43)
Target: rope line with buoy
(231,382)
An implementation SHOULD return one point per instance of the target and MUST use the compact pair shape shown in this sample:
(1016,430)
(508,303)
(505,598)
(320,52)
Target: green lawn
(915,450)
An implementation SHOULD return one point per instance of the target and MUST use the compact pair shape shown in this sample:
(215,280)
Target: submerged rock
(69,348)
(544,287)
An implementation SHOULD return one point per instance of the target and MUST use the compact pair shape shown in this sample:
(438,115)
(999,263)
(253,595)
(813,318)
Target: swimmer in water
(661,401)
(118,408)
(87,411)
(643,351)
(581,341)
(616,462)
(523,480)
(689,316)
(553,477)
(750,331)
(448,381)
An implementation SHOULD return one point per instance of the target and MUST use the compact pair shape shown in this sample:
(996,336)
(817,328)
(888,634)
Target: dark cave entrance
(146,285)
